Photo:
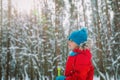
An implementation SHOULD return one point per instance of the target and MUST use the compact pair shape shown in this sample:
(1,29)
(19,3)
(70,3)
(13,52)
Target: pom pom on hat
(79,36)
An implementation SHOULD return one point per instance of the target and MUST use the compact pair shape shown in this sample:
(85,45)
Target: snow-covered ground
(96,78)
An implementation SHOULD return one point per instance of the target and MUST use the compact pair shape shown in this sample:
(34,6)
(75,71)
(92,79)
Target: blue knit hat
(79,36)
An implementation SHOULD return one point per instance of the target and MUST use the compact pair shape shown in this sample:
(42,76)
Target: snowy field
(96,78)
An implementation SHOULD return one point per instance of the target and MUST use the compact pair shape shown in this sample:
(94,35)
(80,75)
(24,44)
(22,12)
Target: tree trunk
(84,16)
(116,34)
(45,37)
(1,41)
(57,24)
(99,45)
(71,19)
(31,70)
(8,61)
(8,42)
(108,19)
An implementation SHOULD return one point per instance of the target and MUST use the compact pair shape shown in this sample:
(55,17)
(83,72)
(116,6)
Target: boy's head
(77,37)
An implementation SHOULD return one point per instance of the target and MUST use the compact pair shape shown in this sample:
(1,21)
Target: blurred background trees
(33,36)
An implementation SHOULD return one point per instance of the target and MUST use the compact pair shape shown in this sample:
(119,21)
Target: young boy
(79,65)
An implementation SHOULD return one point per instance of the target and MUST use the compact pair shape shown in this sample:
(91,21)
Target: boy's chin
(71,48)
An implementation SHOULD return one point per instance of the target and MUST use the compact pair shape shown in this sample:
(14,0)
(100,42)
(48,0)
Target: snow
(46,78)
(114,62)
(27,37)
(96,78)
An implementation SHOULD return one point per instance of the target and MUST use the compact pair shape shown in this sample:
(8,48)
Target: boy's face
(72,45)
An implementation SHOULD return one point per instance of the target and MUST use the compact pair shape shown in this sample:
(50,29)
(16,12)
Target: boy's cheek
(69,47)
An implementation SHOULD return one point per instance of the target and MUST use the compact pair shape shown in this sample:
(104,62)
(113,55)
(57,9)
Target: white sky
(23,5)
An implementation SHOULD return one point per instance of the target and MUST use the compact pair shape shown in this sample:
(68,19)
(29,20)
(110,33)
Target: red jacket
(79,66)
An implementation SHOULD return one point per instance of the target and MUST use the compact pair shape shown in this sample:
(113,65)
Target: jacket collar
(77,50)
